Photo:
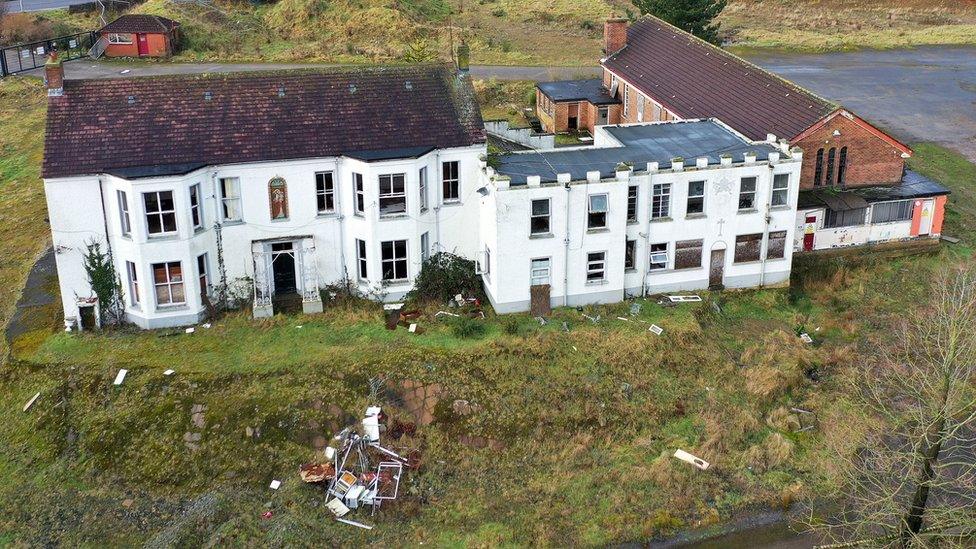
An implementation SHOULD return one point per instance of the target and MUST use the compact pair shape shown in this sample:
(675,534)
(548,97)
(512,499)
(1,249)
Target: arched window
(830,165)
(842,167)
(818,174)
(278,198)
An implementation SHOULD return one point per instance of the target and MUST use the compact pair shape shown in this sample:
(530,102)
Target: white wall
(75,210)
(838,237)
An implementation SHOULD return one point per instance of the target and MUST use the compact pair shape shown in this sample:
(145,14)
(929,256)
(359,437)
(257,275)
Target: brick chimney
(614,35)
(54,75)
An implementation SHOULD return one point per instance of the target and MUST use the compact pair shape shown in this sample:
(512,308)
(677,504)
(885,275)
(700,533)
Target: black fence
(26,57)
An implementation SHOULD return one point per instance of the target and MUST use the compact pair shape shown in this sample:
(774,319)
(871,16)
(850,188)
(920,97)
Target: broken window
(361,259)
(394,259)
(886,212)
(539,271)
(776,246)
(324,192)
(124,221)
(842,167)
(818,172)
(696,197)
(688,254)
(781,190)
(830,165)
(661,201)
(359,193)
(160,212)
(632,204)
(450,176)
(630,255)
(196,216)
(596,217)
(747,247)
(596,263)
(422,188)
(844,218)
(202,275)
(658,257)
(230,198)
(747,193)
(119,38)
(393,194)
(168,281)
(539,224)
(424,247)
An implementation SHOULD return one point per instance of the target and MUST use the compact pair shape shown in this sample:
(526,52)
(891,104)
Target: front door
(283,268)
(925,223)
(143,44)
(716,271)
(808,231)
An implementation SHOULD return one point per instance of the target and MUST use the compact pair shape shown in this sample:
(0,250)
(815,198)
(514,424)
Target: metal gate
(26,57)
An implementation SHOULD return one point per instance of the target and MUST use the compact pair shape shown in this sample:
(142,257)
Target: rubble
(655,329)
(360,471)
(684,298)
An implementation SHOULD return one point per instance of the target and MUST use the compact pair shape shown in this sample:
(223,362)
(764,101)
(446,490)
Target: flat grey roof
(913,185)
(591,90)
(641,143)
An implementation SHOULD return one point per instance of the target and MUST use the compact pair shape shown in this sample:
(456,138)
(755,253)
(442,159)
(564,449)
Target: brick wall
(160,45)
(614,35)
(870,159)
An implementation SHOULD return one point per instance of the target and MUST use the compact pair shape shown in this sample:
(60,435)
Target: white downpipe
(337,188)
(566,251)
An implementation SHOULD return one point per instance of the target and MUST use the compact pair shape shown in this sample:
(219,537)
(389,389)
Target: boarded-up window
(688,254)
(776,248)
(747,247)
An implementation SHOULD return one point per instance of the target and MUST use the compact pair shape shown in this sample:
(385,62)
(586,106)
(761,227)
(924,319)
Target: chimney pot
(614,35)
(54,75)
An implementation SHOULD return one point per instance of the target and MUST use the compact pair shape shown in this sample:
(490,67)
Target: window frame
(633,195)
(783,191)
(630,254)
(325,192)
(682,245)
(236,201)
(831,156)
(661,201)
(699,199)
(362,260)
(533,268)
(424,247)
(169,284)
(125,221)
(396,261)
(452,184)
(591,270)
(161,214)
(889,205)
(533,216)
(751,195)
(203,274)
(359,195)
(120,38)
(840,219)
(591,212)
(626,99)
(818,169)
(392,194)
(657,249)
(132,275)
(742,239)
(842,167)
(196,207)
(422,188)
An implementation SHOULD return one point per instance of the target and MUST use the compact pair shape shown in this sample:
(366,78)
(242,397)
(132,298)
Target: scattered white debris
(688,458)
(354,523)
(412,329)
(190,330)
(300,326)
(371,424)
(206,325)
(169,372)
(591,318)
(392,306)
(31,401)
(684,298)
(338,508)
(575,349)
(275,484)
(120,376)
(439,313)
(805,337)
(655,329)
(125,71)
(624,319)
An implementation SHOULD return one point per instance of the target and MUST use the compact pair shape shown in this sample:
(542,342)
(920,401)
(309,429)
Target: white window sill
(661,219)
(394,217)
(172,308)
(327,214)
(695,216)
(232,222)
(747,211)
(781,207)
(597,230)
(398,282)
(541,236)
(162,237)
(451,203)
(661,270)
(600,282)
(751,262)
(633,222)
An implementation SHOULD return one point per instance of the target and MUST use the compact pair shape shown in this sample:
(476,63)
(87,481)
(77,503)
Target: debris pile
(360,472)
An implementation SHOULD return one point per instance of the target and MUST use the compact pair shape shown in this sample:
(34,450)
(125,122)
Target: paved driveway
(923,94)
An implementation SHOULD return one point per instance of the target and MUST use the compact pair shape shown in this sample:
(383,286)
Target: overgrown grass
(24,232)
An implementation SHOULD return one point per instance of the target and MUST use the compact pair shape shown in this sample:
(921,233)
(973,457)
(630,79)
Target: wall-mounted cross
(720,222)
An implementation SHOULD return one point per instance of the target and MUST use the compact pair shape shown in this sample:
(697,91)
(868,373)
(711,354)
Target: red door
(808,233)
(143,44)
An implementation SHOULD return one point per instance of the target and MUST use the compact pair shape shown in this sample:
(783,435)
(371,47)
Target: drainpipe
(101,198)
(764,249)
(342,219)
(437,206)
(566,251)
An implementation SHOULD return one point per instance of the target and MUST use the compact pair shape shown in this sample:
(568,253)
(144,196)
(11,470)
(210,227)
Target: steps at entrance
(288,304)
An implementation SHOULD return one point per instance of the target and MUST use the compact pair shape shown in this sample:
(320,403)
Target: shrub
(445,275)
(468,328)
(511,326)
(16,28)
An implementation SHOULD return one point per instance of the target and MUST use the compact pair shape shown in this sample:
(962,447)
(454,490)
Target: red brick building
(138,35)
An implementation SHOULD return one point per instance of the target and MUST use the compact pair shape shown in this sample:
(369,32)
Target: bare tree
(912,481)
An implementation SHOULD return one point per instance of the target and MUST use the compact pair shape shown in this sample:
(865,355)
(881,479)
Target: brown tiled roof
(137,22)
(101,125)
(695,79)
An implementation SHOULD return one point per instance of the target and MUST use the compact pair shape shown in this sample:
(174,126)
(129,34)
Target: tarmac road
(14,6)
(922,94)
